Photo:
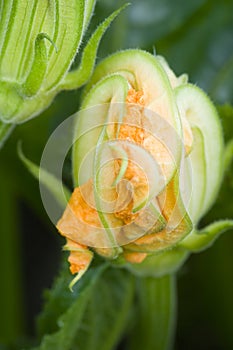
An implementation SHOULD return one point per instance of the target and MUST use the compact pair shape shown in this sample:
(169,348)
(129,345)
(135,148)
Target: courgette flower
(147,165)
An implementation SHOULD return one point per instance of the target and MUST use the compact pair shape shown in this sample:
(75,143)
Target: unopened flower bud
(38,42)
(147,162)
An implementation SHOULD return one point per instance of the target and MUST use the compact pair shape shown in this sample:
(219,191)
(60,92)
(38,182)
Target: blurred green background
(196,37)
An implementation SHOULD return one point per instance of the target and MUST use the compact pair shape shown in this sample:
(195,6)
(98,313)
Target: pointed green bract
(201,240)
(56,188)
(80,76)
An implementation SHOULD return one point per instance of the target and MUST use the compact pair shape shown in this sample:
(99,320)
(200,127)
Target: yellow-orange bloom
(133,196)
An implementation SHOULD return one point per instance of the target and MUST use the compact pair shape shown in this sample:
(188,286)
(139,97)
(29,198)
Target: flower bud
(39,41)
(147,163)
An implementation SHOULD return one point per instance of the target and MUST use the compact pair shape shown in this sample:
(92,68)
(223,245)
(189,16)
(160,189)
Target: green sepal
(198,241)
(39,66)
(82,74)
(157,265)
(60,192)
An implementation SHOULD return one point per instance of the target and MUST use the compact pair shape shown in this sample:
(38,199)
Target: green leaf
(81,75)
(198,241)
(5,130)
(107,312)
(57,301)
(100,298)
(60,298)
(156,314)
(60,192)
(70,321)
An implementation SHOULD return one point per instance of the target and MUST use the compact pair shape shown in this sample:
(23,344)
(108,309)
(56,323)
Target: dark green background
(196,37)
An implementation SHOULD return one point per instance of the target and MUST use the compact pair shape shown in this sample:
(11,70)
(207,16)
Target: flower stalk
(156,315)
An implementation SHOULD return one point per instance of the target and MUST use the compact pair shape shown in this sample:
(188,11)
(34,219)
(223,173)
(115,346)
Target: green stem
(156,321)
